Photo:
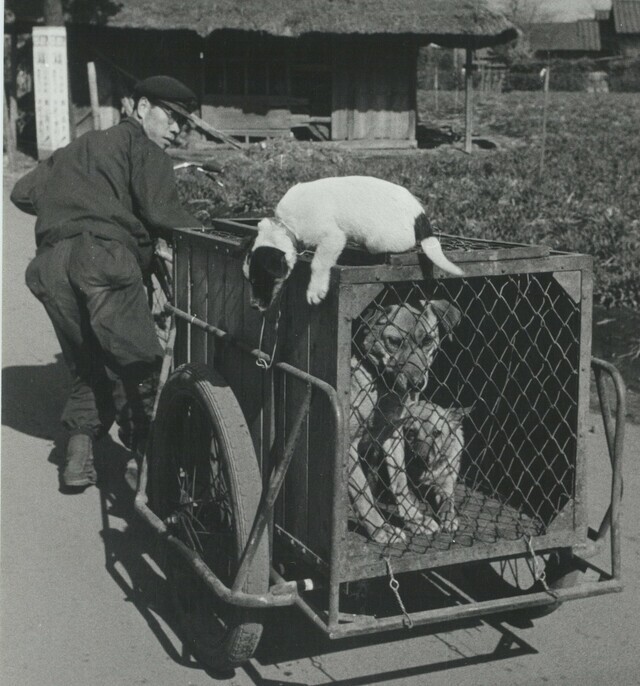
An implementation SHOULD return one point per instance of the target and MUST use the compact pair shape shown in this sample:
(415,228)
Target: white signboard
(51,88)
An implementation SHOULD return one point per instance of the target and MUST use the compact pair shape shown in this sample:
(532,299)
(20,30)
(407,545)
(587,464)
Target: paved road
(82,599)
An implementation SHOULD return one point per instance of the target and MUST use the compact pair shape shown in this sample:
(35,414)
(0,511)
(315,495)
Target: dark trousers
(93,292)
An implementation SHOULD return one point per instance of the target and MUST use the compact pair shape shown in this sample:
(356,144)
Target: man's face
(158,123)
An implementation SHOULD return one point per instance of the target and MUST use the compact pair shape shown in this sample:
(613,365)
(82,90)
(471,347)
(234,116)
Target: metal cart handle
(614,431)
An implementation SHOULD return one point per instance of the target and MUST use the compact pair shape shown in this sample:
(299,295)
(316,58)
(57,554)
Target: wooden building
(571,40)
(613,31)
(341,70)
(625,15)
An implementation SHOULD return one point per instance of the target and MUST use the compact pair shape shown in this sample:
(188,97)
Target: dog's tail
(431,245)
(432,249)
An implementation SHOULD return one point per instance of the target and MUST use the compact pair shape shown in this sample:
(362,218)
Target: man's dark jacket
(116,184)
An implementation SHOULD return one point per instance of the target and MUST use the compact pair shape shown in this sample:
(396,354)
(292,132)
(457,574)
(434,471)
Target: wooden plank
(339,93)
(207,128)
(329,356)
(482,255)
(257,132)
(199,288)
(215,302)
(296,352)
(586,325)
(232,321)
(277,449)
(413,91)
(258,383)
(9,135)
(232,118)
(182,293)
(254,103)
(93,95)
(468,100)
(393,273)
(367,144)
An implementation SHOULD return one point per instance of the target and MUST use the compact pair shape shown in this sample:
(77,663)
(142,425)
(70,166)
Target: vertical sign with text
(51,88)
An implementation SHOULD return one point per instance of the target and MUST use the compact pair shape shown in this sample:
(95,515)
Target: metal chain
(539,574)
(394,585)
(261,362)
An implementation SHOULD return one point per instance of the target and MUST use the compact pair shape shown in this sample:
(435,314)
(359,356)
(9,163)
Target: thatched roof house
(340,69)
(461,24)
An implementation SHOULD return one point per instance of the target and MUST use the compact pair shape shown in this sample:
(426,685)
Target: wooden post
(456,75)
(435,86)
(202,71)
(468,99)
(545,107)
(93,95)
(9,136)
(13,88)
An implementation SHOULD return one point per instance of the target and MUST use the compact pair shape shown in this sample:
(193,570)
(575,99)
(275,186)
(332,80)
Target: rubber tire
(204,389)
(559,574)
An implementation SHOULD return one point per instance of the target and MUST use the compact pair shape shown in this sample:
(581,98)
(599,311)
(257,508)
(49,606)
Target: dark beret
(167,91)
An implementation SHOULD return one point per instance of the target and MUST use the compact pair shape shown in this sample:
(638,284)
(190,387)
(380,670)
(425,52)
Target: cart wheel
(515,576)
(206,486)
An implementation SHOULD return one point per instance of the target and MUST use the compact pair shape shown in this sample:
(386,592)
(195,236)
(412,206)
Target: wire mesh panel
(464,410)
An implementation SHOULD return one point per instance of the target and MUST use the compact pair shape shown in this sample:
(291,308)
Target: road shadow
(133,556)
(288,636)
(33,397)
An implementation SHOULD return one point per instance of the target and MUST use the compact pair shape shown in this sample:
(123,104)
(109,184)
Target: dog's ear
(377,315)
(272,260)
(459,413)
(448,315)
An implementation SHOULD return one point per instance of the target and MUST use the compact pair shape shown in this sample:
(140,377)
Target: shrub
(586,200)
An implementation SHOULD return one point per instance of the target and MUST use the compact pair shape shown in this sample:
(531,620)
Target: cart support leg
(614,431)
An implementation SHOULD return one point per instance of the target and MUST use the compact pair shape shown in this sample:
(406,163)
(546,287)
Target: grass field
(586,199)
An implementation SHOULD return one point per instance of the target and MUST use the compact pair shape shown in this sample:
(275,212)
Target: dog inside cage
(463,421)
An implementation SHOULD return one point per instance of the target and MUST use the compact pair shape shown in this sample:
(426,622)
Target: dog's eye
(395,341)
(411,434)
(436,433)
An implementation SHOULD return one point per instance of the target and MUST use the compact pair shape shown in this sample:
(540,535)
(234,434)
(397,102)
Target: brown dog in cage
(391,360)
(434,441)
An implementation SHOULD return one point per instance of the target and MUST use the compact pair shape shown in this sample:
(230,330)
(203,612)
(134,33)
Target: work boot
(79,470)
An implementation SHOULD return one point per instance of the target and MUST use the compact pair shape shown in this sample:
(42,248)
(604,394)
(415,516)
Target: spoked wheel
(206,486)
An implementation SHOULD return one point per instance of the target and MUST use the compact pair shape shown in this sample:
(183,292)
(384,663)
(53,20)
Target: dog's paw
(423,525)
(316,295)
(450,525)
(389,535)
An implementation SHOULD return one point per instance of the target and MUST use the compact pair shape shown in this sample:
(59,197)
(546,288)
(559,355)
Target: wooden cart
(246,478)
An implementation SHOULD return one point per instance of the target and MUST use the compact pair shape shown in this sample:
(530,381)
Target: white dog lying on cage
(379,215)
